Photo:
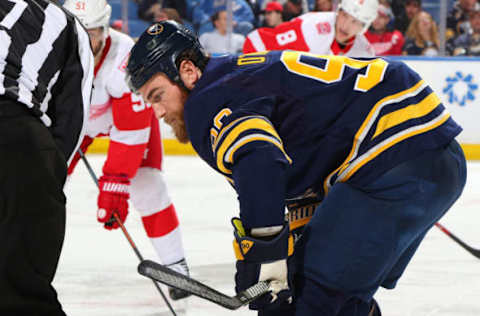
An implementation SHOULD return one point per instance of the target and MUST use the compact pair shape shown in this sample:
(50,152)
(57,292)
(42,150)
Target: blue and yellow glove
(262,254)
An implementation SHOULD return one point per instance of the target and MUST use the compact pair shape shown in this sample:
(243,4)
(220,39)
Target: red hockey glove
(113,197)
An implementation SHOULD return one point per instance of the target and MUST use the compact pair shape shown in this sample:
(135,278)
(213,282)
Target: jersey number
(286,38)
(251,58)
(217,124)
(138,104)
(332,68)
(80,5)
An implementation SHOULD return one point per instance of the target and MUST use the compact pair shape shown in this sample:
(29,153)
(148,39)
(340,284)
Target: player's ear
(189,73)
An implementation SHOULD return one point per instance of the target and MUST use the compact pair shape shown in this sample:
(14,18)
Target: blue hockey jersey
(286,124)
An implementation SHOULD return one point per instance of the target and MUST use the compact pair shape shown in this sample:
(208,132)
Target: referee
(46,73)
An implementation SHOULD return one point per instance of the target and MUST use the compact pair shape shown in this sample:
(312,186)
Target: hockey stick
(473,251)
(124,230)
(177,280)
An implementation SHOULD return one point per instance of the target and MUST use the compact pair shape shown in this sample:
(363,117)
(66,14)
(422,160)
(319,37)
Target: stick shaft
(124,230)
(471,250)
(172,278)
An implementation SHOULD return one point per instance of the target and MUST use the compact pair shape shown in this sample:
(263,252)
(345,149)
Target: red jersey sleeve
(129,135)
(248,46)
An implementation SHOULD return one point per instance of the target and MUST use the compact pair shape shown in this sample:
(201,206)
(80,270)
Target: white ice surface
(97,270)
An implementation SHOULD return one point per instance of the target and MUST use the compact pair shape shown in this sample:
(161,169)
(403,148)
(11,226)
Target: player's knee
(148,191)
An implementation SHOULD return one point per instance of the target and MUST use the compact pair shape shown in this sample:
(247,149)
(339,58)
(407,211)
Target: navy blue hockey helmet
(157,50)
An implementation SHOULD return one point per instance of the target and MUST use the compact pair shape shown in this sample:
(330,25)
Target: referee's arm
(71,94)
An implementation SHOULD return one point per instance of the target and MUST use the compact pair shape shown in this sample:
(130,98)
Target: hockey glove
(113,197)
(261,258)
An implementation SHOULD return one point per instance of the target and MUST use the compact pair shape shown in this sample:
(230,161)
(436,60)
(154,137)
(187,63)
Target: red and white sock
(164,232)
(149,194)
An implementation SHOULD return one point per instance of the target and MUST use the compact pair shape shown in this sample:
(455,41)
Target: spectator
(148,10)
(152,11)
(273,14)
(168,14)
(179,5)
(385,41)
(243,18)
(155,13)
(457,19)
(217,42)
(117,25)
(256,6)
(293,8)
(323,5)
(290,7)
(468,44)
(410,9)
(398,7)
(422,36)
(386,3)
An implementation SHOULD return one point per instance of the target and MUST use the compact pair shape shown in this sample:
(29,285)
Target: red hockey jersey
(388,43)
(311,32)
(117,112)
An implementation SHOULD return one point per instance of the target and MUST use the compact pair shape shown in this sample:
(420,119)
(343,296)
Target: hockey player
(365,139)
(326,33)
(134,161)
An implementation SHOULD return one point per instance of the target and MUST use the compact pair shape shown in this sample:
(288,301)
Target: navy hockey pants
(361,238)
(32,214)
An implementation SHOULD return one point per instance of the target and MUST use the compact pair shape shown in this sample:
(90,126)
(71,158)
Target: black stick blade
(177,280)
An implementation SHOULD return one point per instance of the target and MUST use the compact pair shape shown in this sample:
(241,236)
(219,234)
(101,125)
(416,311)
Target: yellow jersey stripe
(386,144)
(250,138)
(398,117)
(228,127)
(369,121)
(253,123)
(372,116)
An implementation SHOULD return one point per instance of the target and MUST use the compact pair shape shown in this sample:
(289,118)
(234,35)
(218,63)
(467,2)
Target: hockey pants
(32,215)
(361,238)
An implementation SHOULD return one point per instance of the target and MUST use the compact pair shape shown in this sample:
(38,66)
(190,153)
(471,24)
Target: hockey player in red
(326,33)
(134,161)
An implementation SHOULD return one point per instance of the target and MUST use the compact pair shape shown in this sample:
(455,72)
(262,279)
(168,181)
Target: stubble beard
(177,122)
(180,129)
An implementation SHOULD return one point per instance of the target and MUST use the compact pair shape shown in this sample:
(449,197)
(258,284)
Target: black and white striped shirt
(46,63)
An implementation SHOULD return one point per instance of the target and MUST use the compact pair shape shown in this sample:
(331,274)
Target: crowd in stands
(402,27)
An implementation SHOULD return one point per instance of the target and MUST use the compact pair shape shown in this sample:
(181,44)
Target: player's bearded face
(167,100)
(175,118)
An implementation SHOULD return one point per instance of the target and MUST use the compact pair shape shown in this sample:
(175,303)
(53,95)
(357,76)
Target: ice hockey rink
(97,273)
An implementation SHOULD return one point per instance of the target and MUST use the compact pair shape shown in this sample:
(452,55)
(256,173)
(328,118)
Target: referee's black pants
(32,214)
